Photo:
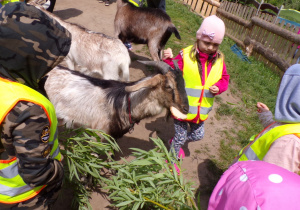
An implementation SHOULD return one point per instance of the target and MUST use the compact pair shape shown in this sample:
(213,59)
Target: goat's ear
(162,66)
(152,82)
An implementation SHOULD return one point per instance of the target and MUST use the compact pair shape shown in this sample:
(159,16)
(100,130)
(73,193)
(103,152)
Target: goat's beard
(178,114)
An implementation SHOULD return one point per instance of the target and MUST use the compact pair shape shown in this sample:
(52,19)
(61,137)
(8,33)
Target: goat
(48,4)
(97,54)
(142,25)
(114,106)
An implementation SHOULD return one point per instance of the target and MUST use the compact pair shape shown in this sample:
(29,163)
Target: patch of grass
(197,151)
(225,110)
(186,22)
(290,14)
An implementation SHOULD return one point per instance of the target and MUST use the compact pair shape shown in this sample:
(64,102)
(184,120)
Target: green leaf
(124,203)
(136,205)
(142,162)
(139,150)
(128,181)
(127,191)
(165,182)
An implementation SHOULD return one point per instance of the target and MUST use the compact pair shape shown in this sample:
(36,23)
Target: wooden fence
(259,34)
(204,8)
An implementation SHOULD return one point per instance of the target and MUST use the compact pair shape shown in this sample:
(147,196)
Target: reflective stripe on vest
(11,173)
(12,187)
(136,3)
(200,98)
(257,149)
(7,1)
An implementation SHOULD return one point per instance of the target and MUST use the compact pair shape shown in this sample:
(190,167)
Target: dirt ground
(97,17)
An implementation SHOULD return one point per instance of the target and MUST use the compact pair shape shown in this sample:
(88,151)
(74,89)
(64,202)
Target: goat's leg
(153,49)
(124,69)
(117,29)
(111,71)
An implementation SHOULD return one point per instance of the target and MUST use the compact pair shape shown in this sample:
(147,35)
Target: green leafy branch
(149,181)
(86,152)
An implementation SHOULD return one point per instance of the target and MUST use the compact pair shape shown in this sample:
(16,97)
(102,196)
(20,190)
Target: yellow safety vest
(136,3)
(12,187)
(200,98)
(7,1)
(257,149)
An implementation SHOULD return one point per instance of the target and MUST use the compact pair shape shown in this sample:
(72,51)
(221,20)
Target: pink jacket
(222,84)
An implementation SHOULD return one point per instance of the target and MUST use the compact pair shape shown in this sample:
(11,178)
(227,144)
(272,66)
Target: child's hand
(168,54)
(262,107)
(214,89)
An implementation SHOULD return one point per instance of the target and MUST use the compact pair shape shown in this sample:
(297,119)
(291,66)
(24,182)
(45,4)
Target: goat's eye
(168,87)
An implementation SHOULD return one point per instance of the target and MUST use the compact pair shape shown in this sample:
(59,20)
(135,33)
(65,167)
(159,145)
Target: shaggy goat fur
(143,25)
(112,106)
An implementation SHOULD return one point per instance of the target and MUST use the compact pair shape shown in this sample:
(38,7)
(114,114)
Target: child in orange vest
(205,75)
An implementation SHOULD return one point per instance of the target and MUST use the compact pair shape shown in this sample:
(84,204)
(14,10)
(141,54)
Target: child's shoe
(128,45)
(181,152)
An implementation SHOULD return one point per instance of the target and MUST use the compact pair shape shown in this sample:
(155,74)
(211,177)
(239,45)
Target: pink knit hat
(211,29)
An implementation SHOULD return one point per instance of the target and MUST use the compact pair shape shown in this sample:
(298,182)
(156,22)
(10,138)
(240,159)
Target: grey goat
(114,106)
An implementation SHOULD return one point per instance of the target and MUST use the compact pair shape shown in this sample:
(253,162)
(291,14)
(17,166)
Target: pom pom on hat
(211,29)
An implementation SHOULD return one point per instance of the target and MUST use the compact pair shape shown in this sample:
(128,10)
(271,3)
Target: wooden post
(277,30)
(278,13)
(199,6)
(194,5)
(262,1)
(269,54)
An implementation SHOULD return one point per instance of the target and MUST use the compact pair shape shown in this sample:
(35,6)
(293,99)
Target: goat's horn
(176,64)
(178,114)
(162,66)
(144,84)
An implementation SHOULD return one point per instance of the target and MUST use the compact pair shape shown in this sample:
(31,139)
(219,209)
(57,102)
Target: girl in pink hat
(205,75)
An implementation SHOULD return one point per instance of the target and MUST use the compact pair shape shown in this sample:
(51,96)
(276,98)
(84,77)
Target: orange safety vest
(12,187)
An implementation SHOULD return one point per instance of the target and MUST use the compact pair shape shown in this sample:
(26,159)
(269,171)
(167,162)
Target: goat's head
(173,85)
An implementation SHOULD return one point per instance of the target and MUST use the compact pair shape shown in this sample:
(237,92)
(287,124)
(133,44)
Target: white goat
(97,54)
(113,106)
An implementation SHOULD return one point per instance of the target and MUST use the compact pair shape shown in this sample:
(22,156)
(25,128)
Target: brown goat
(142,25)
